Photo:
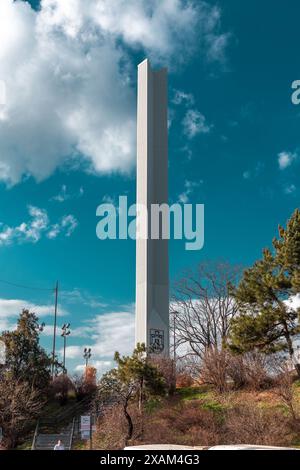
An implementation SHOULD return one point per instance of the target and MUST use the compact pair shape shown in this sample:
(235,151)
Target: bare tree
(284,386)
(202,308)
(214,368)
(19,405)
(113,389)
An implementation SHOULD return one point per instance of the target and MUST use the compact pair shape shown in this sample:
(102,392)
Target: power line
(22,286)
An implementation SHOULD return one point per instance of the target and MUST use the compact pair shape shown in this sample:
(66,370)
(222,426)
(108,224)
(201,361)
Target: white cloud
(113,332)
(110,331)
(285,159)
(189,186)
(83,297)
(181,97)
(164,28)
(248,174)
(293,302)
(195,123)
(101,366)
(218,45)
(68,76)
(68,224)
(47,330)
(64,195)
(2,94)
(10,310)
(104,334)
(38,225)
(54,231)
(72,352)
(187,151)
(108,199)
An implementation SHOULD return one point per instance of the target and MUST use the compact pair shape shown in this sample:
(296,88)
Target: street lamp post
(65,333)
(87,353)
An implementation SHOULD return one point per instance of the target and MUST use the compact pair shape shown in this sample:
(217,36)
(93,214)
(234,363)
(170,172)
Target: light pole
(54,328)
(87,353)
(65,333)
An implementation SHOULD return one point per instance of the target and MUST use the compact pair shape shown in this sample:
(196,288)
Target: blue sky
(67,143)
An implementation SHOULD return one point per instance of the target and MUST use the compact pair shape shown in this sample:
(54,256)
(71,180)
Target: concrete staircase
(62,426)
(47,441)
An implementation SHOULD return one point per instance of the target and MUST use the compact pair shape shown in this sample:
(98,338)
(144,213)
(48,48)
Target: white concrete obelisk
(152,260)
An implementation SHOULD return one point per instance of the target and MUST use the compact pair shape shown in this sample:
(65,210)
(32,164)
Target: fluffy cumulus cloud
(104,334)
(38,225)
(11,308)
(68,76)
(285,159)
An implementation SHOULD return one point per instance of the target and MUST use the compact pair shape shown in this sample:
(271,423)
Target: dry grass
(181,423)
(251,424)
(199,416)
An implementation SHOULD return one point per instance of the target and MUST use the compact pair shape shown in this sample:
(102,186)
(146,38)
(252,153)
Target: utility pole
(65,333)
(54,328)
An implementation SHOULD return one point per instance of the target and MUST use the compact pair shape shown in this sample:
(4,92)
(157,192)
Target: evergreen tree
(26,360)
(268,321)
(134,379)
(139,369)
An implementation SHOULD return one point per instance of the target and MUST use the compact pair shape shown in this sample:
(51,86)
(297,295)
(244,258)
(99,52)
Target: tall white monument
(152,260)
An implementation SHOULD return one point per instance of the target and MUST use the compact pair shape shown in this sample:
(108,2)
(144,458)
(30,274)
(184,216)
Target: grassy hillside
(199,416)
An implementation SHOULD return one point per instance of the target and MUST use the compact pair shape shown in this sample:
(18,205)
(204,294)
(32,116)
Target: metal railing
(60,417)
(35,435)
(72,434)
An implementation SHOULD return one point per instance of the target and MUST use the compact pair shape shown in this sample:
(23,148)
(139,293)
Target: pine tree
(134,379)
(139,369)
(26,360)
(267,320)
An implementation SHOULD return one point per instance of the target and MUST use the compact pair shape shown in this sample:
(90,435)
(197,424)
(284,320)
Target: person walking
(59,446)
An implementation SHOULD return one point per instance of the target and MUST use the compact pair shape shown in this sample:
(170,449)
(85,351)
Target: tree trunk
(10,441)
(297,368)
(141,399)
(291,349)
(141,395)
(129,424)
